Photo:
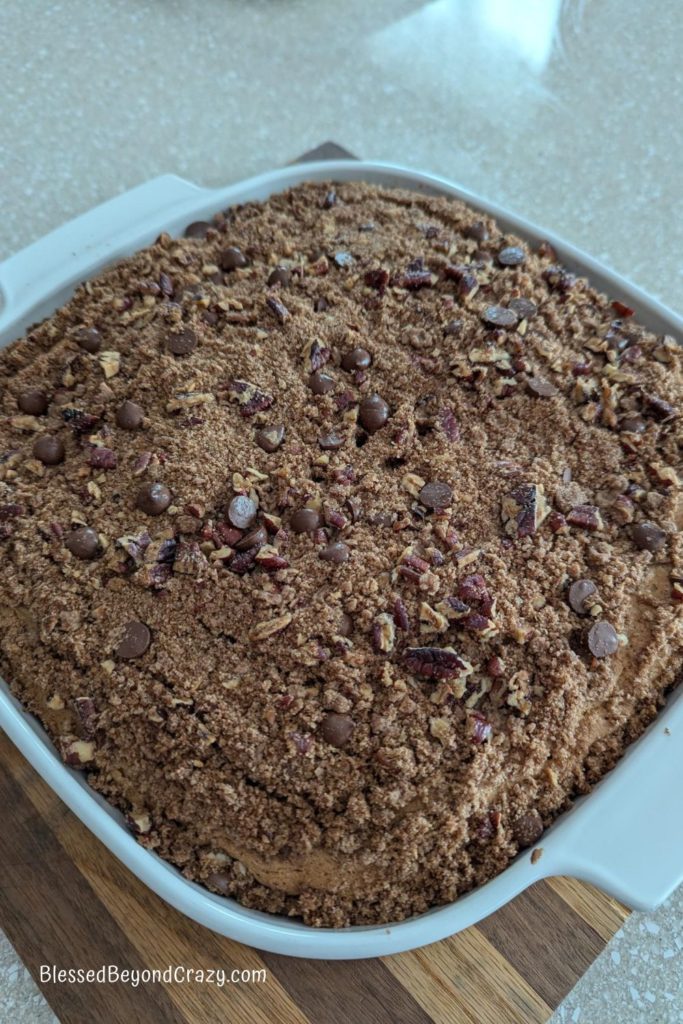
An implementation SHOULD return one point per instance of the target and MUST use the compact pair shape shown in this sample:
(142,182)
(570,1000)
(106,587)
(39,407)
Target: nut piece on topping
(383,633)
(49,450)
(436,663)
(524,510)
(153,498)
(336,729)
(587,517)
(77,753)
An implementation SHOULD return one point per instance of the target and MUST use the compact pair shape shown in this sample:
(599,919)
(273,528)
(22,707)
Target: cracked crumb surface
(291,569)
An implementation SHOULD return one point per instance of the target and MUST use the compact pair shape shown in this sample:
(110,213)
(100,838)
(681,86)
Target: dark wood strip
(346,991)
(545,940)
(52,916)
(327,151)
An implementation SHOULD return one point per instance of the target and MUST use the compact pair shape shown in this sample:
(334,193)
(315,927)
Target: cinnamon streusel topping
(340,545)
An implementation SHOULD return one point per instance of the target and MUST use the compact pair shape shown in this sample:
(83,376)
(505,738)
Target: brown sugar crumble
(340,545)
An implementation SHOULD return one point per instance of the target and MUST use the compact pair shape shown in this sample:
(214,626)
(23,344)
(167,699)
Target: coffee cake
(340,545)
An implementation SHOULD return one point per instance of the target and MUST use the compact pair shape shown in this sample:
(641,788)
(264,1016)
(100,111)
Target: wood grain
(65,900)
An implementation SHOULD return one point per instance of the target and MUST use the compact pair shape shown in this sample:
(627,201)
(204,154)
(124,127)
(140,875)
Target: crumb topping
(339,545)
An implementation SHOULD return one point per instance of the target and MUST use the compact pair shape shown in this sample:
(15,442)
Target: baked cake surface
(339,545)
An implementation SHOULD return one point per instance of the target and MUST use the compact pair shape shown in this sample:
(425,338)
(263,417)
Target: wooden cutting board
(65,900)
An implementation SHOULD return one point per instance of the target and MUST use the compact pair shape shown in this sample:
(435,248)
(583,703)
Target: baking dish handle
(628,837)
(90,241)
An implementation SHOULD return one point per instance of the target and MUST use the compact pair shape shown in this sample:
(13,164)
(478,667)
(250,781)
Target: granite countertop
(565,112)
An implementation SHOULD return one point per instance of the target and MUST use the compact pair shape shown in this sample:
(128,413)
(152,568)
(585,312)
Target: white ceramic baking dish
(626,836)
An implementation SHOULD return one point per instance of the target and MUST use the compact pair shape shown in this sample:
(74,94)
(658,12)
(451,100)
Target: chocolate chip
(331,442)
(541,387)
(578,595)
(632,424)
(343,260)
(183,343)
(242,512)
(436,494)
(270,438)
(134,642)
(254,539)
(524,308)
(129,416)
(648,537)
(33,402)
(320,383)
(511,256)
(232,259)
(320,305)
(453,328)
(373,413)
(49,450)
(499,316)
(337,552)
(336,729)
(197,229)
(305,520)
(356,359)
(527,829)
(280,276)
(83,543)
(153,498)
(602,639)
(89,339)
(477,231)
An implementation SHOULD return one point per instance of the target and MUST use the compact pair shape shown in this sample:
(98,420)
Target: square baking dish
(626,836)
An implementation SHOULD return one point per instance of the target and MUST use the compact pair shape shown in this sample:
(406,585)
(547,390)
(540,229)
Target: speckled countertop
(567,112)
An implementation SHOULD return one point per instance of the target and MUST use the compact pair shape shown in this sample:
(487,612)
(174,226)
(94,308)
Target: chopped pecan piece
(436,663)
(250,398)
(524,510)
(587,517)
(378,279)
(383,633)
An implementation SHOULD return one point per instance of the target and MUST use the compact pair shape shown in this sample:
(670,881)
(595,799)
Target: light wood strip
(605,914)
(464,979)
